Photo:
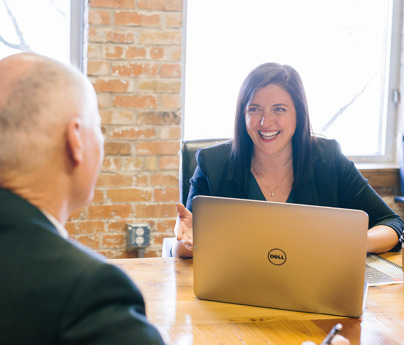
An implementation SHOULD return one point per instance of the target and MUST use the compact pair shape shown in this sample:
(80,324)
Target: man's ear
(74,141)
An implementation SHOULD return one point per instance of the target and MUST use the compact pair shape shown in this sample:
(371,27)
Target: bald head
(51,144)
(38,97)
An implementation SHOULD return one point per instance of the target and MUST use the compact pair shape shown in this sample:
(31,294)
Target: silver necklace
(271,191)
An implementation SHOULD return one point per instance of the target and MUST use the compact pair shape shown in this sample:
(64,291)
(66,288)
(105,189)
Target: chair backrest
(188,162)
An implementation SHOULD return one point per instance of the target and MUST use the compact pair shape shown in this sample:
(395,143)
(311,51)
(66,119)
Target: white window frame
(79,34)
(391,131)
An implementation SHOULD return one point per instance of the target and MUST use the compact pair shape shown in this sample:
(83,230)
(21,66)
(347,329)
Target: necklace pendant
(272,194)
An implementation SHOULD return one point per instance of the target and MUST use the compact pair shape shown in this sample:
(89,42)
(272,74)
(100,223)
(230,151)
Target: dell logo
(277,256)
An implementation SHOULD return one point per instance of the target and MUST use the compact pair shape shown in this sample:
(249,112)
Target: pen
(327,340)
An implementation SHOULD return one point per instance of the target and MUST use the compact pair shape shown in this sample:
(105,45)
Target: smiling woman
(274,156)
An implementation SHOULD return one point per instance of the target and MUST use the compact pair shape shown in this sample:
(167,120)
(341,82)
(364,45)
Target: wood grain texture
(167,285)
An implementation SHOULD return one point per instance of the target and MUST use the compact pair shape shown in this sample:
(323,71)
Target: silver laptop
(276,255)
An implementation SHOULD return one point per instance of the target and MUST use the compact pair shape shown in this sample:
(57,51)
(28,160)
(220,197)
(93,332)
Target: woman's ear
(74,141)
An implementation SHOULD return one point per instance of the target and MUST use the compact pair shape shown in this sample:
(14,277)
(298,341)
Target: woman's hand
(183,231)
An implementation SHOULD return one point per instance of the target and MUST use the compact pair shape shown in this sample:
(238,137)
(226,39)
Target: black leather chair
(188,162)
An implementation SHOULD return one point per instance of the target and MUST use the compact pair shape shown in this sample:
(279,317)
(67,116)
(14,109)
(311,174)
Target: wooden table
(167,285)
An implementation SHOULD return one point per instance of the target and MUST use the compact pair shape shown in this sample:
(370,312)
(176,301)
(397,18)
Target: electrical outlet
(138,235)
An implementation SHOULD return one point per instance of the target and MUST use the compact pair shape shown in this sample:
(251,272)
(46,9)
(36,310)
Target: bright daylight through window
(50,27)
(347,53)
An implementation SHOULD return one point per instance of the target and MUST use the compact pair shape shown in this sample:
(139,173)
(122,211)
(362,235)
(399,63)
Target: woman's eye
(255,111)
(279,110)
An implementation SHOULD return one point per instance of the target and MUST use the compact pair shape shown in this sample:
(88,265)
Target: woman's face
(271,120)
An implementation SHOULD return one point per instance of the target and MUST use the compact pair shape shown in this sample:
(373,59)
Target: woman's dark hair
(287,78)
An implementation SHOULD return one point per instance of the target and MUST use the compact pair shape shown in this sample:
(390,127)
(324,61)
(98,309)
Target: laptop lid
(277,255)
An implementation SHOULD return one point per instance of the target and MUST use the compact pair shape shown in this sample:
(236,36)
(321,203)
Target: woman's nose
(266,118)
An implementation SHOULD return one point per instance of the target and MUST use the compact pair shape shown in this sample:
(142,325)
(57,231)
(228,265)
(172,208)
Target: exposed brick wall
(134,62)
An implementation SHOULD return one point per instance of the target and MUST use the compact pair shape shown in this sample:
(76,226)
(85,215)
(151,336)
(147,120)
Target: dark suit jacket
(53,291)
(333,181)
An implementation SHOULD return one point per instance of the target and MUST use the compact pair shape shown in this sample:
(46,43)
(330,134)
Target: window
(50,27)
(347,53)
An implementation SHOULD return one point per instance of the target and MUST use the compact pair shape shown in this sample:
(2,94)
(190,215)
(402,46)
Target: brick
(86,227)
(160,5)
(112,164)
(135,69)
(113,241)
(160,37)
(170,133)
(120,36)
(111,85)
(94,51)
(163,179)
(136,19)
(129,195)
(132,133)
(96,16)
(117,148)
(113,3)
(141,179)
(173,20)
(109,211)
(114,180)
(78,214)
(116,117)
(98,68)
(70,227)
(158,238)
(159,86)
(150,163)
(172,101)
(113,51)
(169,162)
(98,196)
(176,54)
(90,240)
(166,226)
(174,5)
(158,118)
(170,70)
(152,4)
(135,52)
(157,148)
(155,210)
(131,164)
(166,194)
(145,102)
(157,53)
(104,100)
(116,226)
(105,35)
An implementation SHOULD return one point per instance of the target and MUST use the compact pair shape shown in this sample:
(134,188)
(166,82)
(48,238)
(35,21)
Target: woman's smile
(268,135)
